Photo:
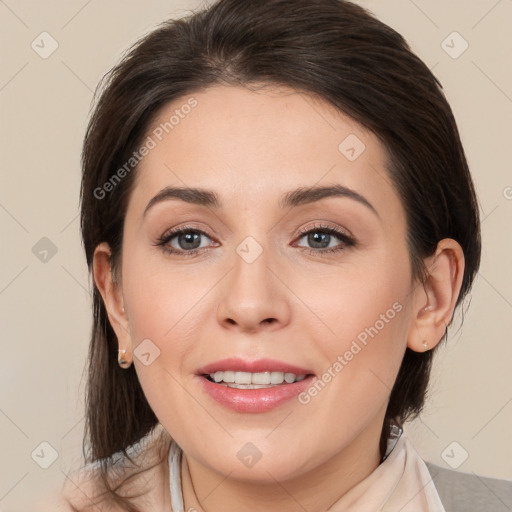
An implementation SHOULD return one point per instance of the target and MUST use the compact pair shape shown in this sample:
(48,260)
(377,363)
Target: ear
(111,292)
(434,302)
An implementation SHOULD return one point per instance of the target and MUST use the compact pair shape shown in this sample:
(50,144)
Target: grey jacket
(468,492)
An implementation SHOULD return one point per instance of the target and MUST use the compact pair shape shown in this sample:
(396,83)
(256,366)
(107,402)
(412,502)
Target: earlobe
(434,302)
(111,293)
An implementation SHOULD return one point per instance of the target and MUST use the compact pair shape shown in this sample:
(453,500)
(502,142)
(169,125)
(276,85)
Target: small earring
(122,360)
(425,344)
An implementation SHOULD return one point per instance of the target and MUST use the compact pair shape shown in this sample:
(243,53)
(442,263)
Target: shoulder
(84,488)
(468,492)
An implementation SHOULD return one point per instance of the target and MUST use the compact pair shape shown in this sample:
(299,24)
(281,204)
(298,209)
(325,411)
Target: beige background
(45,306)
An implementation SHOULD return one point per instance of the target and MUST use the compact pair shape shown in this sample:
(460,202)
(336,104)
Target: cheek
(361,364)
(362,301)
(163,305)
(367,319)
(372,317)
(161,301)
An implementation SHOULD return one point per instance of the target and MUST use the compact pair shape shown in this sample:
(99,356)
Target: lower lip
(254,400)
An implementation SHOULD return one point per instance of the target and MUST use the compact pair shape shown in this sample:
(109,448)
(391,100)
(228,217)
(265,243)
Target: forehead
(252,146)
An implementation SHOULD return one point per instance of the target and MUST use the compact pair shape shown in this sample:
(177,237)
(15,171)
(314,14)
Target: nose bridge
(252,295)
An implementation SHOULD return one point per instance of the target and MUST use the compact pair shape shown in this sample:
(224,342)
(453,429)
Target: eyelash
(346,240)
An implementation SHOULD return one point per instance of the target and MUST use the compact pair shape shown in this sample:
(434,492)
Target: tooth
(243,378)
(276,378)
(261,378)
(289,377)
(228,376)
(246,379)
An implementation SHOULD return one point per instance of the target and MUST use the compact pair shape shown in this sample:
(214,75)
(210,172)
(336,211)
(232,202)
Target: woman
(280,221)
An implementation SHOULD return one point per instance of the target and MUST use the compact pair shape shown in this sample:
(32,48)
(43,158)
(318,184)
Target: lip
(260,365)
(253,400)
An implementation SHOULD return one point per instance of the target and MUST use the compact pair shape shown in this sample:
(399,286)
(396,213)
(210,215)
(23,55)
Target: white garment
(401,483)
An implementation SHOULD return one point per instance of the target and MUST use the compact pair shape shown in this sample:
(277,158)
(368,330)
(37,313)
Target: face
(264,279)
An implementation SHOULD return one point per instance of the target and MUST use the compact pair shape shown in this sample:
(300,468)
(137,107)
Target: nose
(254,295)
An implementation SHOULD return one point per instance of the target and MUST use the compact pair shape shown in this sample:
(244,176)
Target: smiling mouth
(247,380)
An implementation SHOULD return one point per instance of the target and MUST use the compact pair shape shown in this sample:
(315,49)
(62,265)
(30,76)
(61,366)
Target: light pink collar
(401,483)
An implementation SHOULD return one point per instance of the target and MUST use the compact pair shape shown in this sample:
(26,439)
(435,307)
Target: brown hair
(333,49)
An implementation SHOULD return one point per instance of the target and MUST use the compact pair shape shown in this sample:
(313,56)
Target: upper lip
(243,365)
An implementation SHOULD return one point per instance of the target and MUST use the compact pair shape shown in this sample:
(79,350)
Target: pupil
(190,238)
(316,238)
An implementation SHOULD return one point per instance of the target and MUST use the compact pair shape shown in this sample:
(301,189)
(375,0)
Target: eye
(322,239)
(185,241)
(189,241)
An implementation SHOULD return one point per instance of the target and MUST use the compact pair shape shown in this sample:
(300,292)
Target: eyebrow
(293,198)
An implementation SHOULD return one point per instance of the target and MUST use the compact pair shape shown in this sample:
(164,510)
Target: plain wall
(46,306)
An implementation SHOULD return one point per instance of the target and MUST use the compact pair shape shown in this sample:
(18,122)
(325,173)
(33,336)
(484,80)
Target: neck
(317,490)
